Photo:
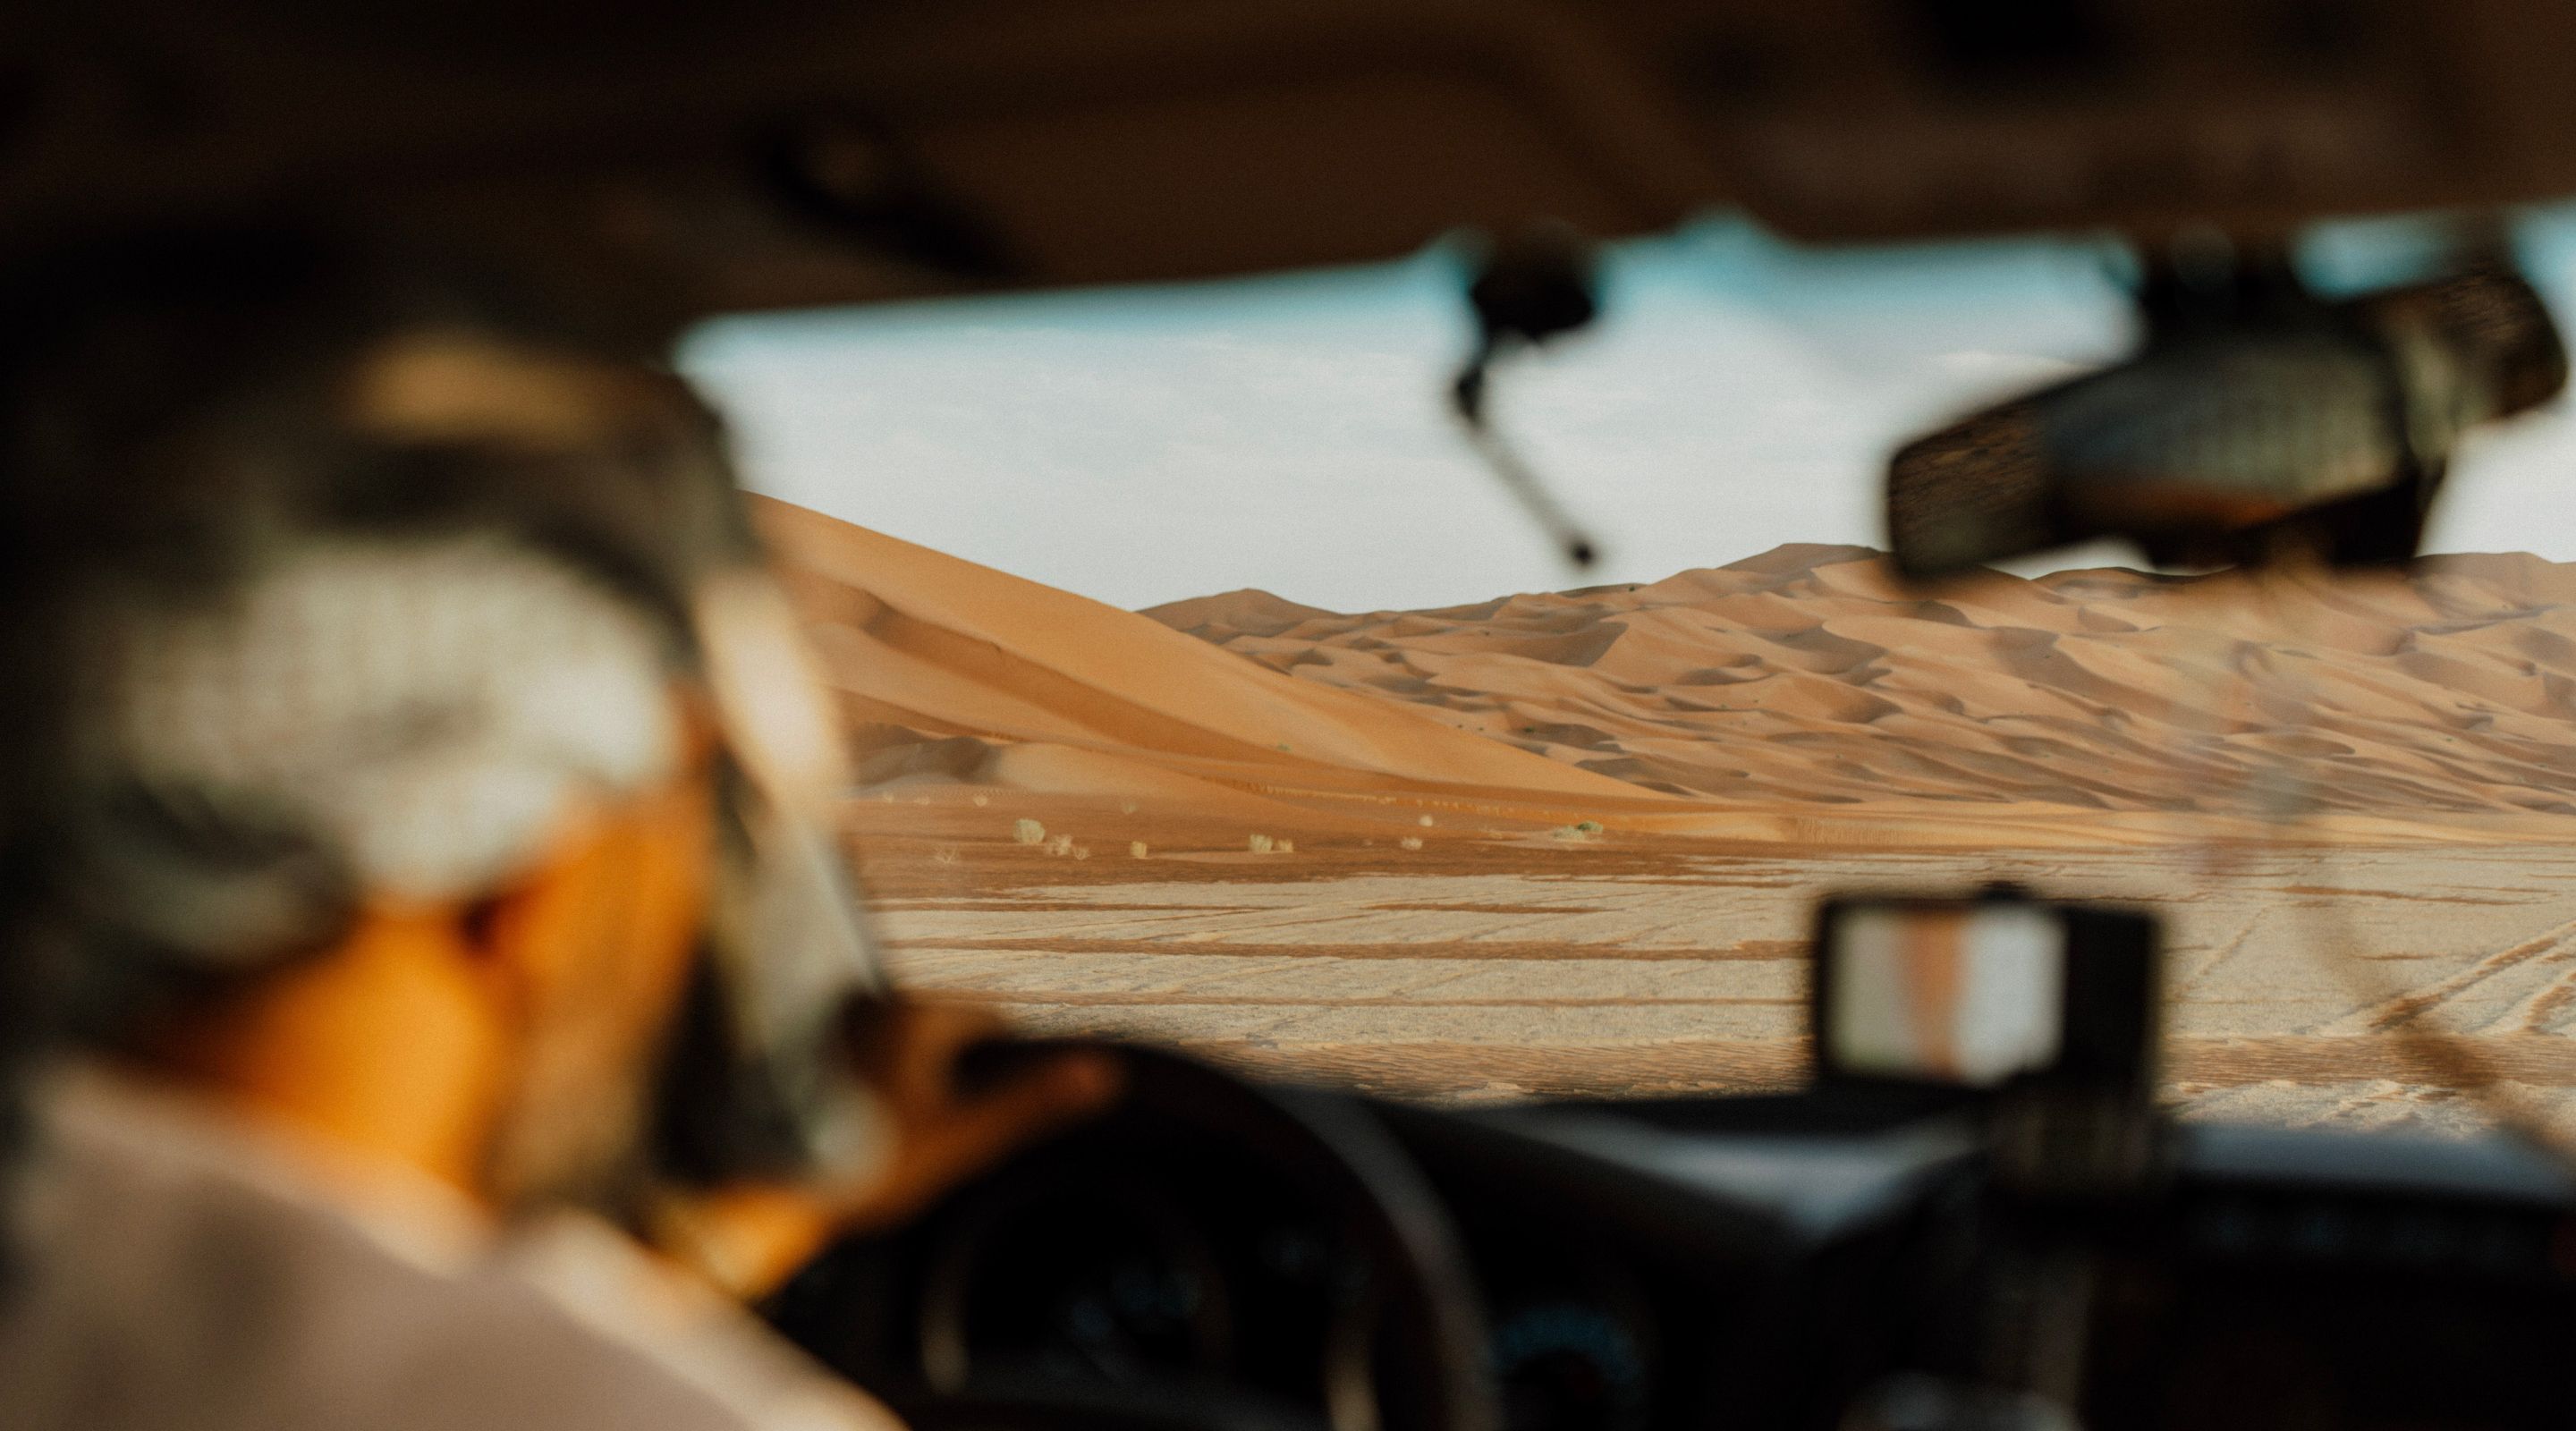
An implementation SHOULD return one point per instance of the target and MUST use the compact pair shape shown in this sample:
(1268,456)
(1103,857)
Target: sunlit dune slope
(1805,676)
(955,671)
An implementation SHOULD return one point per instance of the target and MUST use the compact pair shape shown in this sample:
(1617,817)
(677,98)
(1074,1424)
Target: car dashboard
(1801,1260)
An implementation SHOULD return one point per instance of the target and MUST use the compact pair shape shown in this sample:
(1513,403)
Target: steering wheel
(1420,1361)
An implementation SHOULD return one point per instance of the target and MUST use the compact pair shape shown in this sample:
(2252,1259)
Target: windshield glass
(1300,751)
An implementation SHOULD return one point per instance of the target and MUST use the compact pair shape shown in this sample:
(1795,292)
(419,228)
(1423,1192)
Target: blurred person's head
(389,656)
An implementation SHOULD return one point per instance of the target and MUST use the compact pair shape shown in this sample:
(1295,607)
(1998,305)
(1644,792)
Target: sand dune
(1782,698)
(953,672)
(1805,678)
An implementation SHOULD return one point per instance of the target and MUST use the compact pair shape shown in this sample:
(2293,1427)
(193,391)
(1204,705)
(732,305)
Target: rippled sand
(1808,677)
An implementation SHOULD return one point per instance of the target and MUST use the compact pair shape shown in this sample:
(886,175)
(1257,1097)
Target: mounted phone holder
(2048,1011)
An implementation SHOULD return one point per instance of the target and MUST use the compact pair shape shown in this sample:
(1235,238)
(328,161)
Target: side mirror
(2325,427)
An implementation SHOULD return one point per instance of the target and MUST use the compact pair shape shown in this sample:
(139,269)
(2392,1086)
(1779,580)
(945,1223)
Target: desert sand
(2320,984)
(1566,844)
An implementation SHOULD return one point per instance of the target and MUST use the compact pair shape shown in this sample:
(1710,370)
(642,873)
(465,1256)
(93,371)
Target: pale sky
(1289,433)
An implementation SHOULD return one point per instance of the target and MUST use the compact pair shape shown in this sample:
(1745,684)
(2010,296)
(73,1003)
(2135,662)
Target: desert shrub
(1060,845)
(1028,832)
(1135,849)
(1260,844)
(1411,842)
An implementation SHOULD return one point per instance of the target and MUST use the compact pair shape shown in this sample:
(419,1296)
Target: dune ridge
(1805,678)
(953,672)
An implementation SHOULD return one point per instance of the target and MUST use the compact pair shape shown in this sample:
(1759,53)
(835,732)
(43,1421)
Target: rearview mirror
(2322,426)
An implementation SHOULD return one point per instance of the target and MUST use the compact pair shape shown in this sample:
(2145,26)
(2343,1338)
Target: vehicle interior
(1977,1214)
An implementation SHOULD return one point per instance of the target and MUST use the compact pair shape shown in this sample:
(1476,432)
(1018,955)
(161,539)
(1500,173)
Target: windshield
(1222,697)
